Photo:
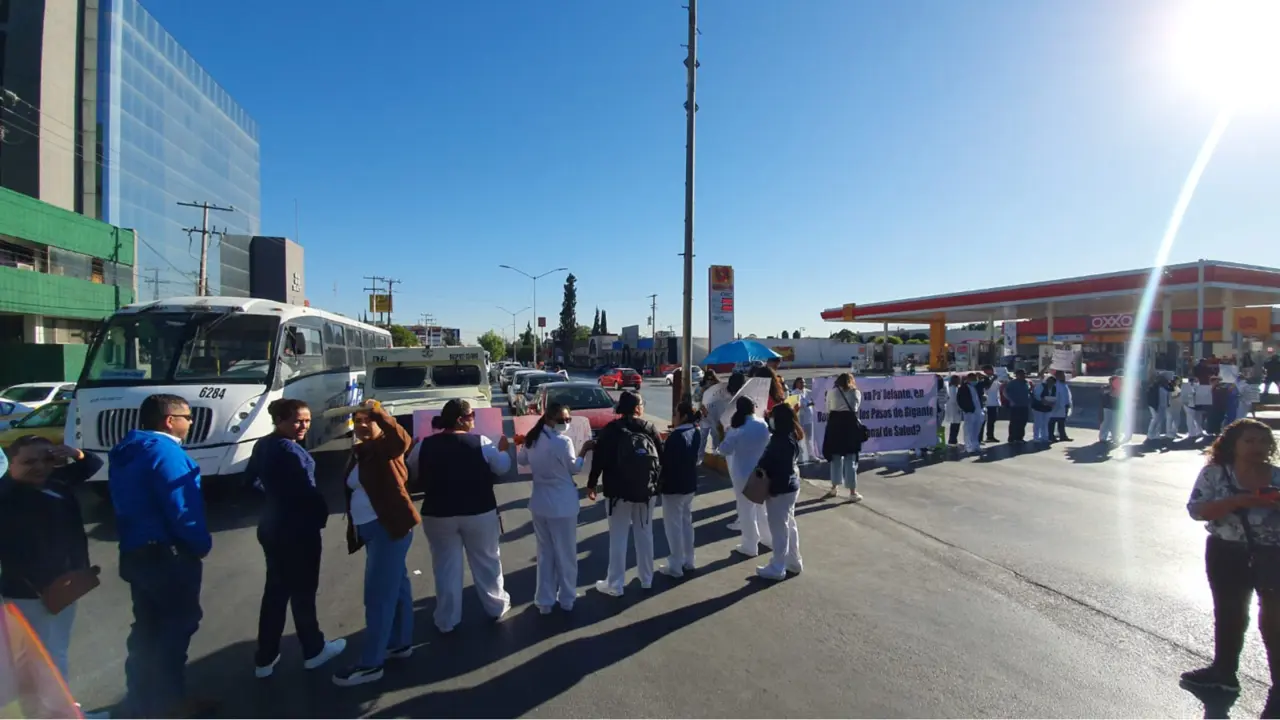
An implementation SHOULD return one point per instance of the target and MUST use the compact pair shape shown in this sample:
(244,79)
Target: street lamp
(535,279)
(514,336)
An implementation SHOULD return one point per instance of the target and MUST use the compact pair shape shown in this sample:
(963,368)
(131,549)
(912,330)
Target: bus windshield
(175,348)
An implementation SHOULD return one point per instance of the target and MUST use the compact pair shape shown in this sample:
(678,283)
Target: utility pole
(514,336)
(690,110)
(653,327)
(156,282)
(427,320)
(202,285)
(374,289)
(391,284)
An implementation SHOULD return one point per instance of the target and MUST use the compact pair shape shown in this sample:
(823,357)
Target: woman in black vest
(456,471)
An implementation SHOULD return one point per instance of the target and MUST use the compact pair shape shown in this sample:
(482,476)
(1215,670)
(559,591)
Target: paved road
(1049,584)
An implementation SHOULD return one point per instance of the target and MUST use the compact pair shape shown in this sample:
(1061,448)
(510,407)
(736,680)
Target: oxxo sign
(1103,323)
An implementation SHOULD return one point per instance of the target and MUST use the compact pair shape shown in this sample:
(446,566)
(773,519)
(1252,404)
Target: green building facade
(61,274)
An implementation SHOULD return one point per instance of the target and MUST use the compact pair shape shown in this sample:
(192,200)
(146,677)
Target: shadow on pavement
(538,680)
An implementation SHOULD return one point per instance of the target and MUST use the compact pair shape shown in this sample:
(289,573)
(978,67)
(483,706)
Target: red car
(619,378)
(584,399)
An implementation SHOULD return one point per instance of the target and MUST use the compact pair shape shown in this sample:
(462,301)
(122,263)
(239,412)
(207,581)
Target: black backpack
(637,467)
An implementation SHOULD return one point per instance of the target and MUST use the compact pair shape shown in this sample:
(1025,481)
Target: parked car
(695,373)
(11,411)
(48,421)
(508,372)
(513,385)
(582,398)
(33,395)
(620,378)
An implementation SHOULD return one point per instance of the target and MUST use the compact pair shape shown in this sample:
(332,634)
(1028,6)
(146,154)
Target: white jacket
(553,461)
(952,414)
(743,446)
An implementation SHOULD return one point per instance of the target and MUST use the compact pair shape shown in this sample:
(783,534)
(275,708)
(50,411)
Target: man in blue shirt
(155,488)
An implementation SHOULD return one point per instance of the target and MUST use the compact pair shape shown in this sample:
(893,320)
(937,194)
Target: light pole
(535,279)
(514,336)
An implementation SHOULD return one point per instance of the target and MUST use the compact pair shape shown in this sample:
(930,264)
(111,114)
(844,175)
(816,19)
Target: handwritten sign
(900,412)
(579,433)
(757,389)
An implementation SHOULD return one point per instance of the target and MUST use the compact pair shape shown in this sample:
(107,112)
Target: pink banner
(488,423)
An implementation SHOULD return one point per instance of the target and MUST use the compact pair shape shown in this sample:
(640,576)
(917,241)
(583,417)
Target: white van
(408,379)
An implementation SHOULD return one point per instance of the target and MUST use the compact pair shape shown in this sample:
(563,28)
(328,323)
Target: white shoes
(671,571)
(331,650)
(264,671)
(604,588)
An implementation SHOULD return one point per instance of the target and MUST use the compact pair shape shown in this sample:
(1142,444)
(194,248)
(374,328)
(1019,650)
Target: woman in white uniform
(744,442)
(457,471)
(549,453)
(1044,399)
(804,405)
(952,415)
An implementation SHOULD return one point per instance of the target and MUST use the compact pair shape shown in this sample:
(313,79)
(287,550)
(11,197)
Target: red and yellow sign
(788,353)
(1253,321)
(721,277)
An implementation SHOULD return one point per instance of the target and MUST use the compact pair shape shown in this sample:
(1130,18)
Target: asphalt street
(1059,583)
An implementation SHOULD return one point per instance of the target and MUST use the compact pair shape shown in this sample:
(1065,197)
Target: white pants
(477,536)
(782,522)
(557,561)
(1040,426)
(1194,428)
(635,519)
(677,521)
(1155,428)
(54,631)
(753,520)
(1172,419)
(973,431)
(1107,431)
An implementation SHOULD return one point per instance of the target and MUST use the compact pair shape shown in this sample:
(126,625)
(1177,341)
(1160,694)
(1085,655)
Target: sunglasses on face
(184,417)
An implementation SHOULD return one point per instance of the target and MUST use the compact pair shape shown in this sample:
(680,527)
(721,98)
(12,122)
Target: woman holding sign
(744,443)
(843,440)
(457,471)
(549,453)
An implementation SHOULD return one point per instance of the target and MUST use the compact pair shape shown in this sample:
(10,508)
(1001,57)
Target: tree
(595,324)
(845,335)
(582,334)
(785,336)
(569,315)
(604,322)
(893,340)
(494,343)
(526,337)
(402,336)
(795,335)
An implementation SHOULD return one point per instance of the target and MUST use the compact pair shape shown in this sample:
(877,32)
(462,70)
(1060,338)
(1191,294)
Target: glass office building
(169,133)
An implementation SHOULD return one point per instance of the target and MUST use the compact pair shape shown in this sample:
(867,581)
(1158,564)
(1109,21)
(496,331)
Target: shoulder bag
(1264,560)
(68,588)
(861,432)
(757,488)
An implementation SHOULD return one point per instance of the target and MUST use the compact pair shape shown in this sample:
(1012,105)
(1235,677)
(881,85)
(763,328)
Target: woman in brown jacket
(381,518)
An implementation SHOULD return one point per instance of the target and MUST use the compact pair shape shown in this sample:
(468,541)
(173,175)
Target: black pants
(953,433)
(1018,423)
(993,414)
(1216,418)
(1231,581)
(293,577)
(165,588)
(1058,428)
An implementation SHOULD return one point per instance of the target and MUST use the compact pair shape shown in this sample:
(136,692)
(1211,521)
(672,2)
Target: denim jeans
(165,588)
(844,471)
(388,599)
(54,631)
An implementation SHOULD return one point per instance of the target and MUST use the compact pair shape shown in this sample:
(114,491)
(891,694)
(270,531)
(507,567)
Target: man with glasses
(160,518)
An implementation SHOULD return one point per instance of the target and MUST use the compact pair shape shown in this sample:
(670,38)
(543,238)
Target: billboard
(379,303)
(720,305)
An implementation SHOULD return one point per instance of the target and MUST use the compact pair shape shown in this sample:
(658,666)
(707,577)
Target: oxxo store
(1201,309)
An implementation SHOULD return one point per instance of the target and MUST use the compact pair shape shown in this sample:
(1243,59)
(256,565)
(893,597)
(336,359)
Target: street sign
(542,322)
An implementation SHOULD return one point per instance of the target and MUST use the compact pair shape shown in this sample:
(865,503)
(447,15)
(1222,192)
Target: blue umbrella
(740,352)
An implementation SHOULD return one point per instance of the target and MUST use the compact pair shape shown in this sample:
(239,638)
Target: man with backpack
(627,455)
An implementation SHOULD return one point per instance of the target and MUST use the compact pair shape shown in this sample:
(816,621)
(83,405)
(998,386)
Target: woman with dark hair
(709,424)
(628,456)
(549,454)
(952,416)
(381,519)
(805,415)
(842,442)
(289,532)
(681,454)
(457,470)
(779,464)
(744,443)
(736,381)
(1237,496)
(42,537)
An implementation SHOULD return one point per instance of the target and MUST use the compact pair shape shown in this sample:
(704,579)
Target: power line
(374,291)
(391,292)
(690,110)
(202,286)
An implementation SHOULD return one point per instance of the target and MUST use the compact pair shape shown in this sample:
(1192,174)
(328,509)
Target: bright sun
(1230,50)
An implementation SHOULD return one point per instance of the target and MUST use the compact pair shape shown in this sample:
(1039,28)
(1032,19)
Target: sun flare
(1230,50)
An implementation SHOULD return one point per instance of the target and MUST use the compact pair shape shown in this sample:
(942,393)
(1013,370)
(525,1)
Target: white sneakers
(331,650)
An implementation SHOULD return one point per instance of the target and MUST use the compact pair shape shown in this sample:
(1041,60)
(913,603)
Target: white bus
(229,357)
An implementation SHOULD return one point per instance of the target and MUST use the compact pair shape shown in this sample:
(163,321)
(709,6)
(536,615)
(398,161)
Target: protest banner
(1228,373)
(757,389)
(1063,360)
(900,411)
(579,433)
(488,423)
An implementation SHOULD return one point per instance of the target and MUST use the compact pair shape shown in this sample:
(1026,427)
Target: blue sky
(848,150)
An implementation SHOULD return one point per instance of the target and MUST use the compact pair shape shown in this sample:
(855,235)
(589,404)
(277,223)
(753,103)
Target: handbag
(1264,560)
(861,433)
(68,588)
(757,488)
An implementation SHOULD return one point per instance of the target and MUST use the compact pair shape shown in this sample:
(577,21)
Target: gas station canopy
(1198,286)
